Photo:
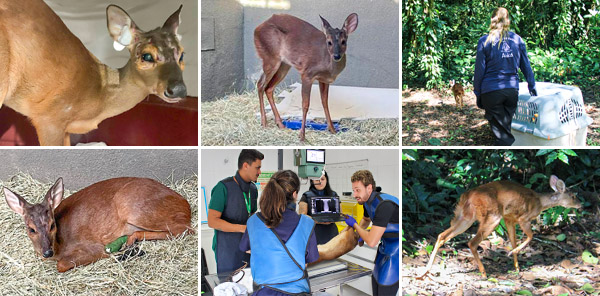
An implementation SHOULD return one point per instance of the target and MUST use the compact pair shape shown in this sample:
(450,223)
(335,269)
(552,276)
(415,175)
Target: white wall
(217,164)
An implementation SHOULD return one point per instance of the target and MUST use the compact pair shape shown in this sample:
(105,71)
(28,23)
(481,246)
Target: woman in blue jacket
(496,84)
(282,242)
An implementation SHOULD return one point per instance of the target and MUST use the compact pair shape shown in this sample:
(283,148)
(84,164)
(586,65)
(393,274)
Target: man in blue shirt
(496,83)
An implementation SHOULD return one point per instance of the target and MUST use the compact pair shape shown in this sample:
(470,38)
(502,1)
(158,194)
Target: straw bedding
(232,121)
(169,267)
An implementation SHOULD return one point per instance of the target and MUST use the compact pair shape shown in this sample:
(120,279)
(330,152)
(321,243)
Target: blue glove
(360,240)
(350,221)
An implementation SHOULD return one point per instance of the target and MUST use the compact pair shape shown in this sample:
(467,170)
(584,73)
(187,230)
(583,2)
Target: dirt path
(431,118)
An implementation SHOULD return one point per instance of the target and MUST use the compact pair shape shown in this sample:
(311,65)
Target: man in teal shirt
(232,201)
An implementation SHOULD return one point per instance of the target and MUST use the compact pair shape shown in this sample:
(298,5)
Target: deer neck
(122,89)
(547,202)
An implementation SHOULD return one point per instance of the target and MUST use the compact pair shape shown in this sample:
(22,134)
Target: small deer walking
(48,75)
(284,41)
(458,92)
(491,202)
(75,231)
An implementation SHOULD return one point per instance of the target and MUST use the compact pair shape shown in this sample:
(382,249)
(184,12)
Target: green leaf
(561,237)
(543,152)
(493,280)
(429,249)
(435,142)
(524,292)
(588,288)
(563,157)
(569,152)
(587,257)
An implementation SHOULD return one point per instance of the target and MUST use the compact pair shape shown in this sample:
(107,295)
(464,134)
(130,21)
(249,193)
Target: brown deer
(75,231)
(458,92)
(50,77)
(284,41)
(491,202)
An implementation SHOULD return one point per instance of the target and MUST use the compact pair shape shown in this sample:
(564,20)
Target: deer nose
(337,57)
(177,90)
(48,253)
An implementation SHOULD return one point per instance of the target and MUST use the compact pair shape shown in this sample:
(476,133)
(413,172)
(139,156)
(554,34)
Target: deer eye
(329,43)
(147,58)
(181,57)
(31,230)
(52,226)
(343,42)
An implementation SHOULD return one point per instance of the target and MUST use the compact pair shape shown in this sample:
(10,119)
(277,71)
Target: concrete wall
(218,164)
(373,49)
(222,48)
(87,20)
(82,167)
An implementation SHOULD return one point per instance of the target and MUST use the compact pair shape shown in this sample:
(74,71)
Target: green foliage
(439,39)
(433,180)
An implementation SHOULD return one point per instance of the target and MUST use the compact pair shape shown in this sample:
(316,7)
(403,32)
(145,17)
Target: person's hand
(533,92)
(350,221)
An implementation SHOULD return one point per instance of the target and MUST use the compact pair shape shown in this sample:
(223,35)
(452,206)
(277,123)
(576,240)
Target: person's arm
(245,243)
(372,237)
(215,221)
(479,68)
(218,199)
(312,251)
(525,67)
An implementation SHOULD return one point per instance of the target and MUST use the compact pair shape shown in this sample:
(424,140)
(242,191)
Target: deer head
(563,196)
(156,56)
(336,38)
(39,218)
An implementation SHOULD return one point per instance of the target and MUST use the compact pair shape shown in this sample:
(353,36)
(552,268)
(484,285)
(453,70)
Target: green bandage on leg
(116,245)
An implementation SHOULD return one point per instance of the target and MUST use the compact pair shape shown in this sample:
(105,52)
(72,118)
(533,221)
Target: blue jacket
(496,65)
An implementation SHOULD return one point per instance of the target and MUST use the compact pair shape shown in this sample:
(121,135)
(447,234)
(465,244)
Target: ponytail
(499,26)
(276,194)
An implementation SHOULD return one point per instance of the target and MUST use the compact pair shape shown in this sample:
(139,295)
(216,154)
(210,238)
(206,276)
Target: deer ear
(326,26)
(14,201)
(351,23)
(172,23)
(120,27)
(55,194)
(557,184)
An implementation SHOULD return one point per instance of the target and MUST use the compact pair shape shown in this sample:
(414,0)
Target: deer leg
(150,235)
(269,71)
(512,236)
(306,86)
(324,88)
(485,228)
(67,140)
(49,135)
(458,226)
(80,254)
(526,226)
(279,75)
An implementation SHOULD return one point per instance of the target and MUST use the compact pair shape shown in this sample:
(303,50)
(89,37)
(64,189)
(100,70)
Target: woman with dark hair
(325,231)
(496,83)
(283,241)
